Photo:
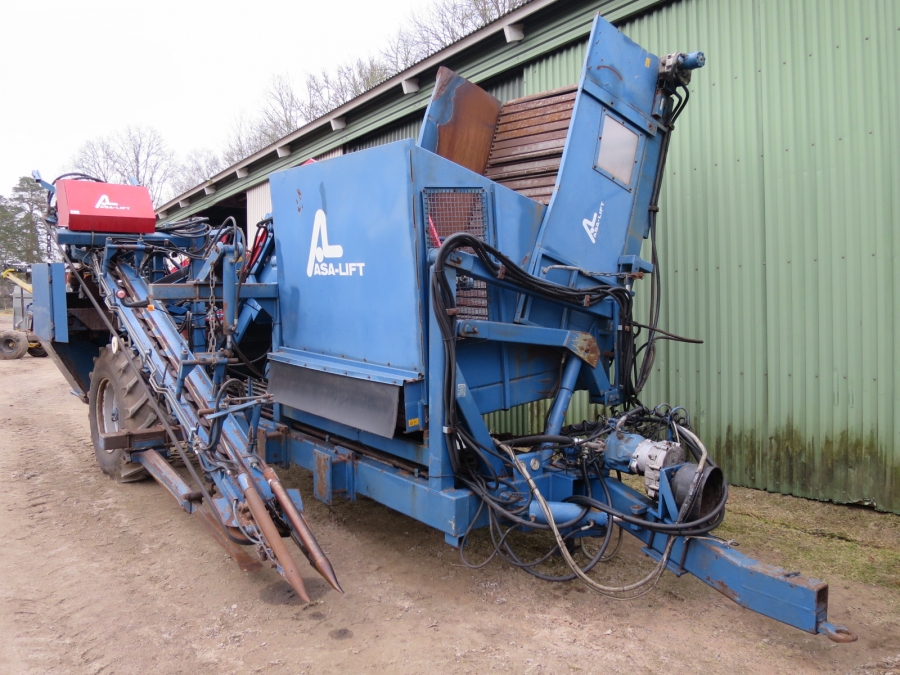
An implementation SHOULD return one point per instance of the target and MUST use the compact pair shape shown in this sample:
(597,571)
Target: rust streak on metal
(466,137)
(126,439)
(274,540)
(611,69)
(298,522)
(323,468)
(587,348)
(725,590)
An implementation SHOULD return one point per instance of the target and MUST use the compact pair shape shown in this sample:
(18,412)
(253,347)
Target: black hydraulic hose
(677,112)
(671,336)
(598,556)
(540,439)
(189,227)
(76,174)
(443,301)
(698,527)
(134,304)
(177,275)
(70,175)
(247,362)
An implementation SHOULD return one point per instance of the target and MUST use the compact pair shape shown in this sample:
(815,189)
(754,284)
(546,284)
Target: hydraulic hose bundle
(472,461)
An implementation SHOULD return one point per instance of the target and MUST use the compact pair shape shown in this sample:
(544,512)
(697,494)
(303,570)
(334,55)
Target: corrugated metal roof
(479,57)
(778,244)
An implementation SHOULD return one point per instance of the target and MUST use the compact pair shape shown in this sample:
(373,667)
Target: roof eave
(422,66)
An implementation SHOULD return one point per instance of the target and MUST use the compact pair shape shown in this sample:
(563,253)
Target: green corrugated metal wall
(778,241)
(559,69)
(396,132)
(507,88)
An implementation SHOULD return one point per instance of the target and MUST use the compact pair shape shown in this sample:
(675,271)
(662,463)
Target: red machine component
(88,206)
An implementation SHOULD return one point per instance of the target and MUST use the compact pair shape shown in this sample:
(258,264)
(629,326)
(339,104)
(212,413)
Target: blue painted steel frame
(562,251)
(314,326)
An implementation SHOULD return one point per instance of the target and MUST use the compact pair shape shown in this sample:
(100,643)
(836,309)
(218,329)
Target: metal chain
(211,314)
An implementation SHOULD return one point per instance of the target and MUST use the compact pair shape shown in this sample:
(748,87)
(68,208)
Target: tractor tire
(13,345)
(117,402)
(37,352)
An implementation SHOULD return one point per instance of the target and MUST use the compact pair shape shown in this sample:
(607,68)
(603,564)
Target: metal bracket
(334,473)
(581,344)
(162,471)
(139,439)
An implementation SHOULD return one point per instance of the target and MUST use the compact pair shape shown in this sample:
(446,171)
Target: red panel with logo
(88,206)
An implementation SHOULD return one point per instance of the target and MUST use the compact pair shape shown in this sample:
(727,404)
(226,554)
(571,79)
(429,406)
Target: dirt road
(106,578)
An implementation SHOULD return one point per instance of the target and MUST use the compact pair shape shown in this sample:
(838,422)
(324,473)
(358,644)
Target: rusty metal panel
(464,136)
(527,147)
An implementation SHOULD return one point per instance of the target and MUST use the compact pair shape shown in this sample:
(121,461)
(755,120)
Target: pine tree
(20,227)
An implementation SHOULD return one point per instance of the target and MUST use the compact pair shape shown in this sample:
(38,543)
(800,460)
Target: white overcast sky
(74,70)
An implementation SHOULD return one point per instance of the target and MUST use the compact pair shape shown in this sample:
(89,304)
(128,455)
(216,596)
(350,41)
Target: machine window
(618,149)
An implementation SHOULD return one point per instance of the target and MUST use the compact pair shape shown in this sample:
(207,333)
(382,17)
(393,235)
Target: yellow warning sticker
(647,63)
(414,422)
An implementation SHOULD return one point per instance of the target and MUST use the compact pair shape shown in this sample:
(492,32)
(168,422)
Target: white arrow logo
(593,226)
(104,203)
(320,249)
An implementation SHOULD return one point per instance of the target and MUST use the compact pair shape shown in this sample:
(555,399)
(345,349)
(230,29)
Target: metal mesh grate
(451,211)
(459,210)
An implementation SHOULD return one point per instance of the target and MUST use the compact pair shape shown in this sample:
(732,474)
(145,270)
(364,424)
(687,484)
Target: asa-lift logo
(104,203)
(592,227)
(320,250)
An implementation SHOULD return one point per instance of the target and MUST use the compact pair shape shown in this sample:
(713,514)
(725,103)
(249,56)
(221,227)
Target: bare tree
(439,26)
(283,111)
(245,138)
(198,167)
(141,153)
(137,152)
(287,108)
(97,158)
